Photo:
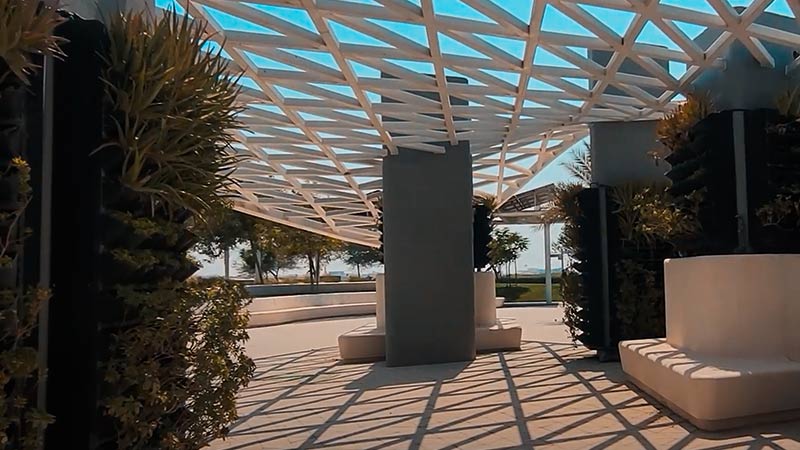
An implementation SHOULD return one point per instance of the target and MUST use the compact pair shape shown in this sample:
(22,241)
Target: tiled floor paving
(550,395)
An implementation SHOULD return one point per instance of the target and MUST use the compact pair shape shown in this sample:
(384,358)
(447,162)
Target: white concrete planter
(380,302)
(499,302)
(485,295)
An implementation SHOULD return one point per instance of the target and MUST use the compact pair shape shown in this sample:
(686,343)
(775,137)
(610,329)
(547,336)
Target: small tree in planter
(506,247)
(483,206)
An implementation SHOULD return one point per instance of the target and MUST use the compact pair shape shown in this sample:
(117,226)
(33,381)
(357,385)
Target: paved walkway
(550,395)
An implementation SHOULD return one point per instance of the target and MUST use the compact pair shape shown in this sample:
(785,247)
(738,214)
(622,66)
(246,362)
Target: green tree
(272,247)
(316,249)
(272,262)
(221,230)
(361,256)
(506,247)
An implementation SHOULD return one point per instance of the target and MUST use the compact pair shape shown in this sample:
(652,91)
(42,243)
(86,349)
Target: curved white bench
(266,311)
(731,356)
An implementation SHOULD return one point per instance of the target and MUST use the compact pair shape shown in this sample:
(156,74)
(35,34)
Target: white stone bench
(731,356)
(268,311)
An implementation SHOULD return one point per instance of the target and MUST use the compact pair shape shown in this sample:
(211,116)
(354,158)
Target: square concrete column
(620,153)
(427,237)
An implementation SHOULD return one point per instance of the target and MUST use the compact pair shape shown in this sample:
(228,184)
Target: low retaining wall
(266,311)
(272,290)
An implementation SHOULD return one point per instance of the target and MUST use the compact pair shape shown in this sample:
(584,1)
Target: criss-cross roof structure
(536,71)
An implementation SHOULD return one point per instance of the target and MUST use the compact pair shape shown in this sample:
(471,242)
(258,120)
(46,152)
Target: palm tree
(580,166)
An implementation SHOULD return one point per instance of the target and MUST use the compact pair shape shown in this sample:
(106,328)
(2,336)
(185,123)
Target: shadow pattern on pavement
(548,395)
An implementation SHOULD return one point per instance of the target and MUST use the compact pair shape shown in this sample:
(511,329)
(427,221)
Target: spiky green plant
(672,130)
(26,29)
(174,108)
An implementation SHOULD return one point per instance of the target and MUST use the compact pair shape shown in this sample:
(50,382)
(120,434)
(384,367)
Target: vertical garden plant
(26,35)
(483,206)
(176,348)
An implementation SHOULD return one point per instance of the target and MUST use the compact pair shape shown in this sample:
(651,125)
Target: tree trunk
(259,275)
(316,271)
(311,276)
(358,271)
(226,256)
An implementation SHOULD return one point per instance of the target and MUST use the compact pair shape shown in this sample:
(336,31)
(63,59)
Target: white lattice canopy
(536,71)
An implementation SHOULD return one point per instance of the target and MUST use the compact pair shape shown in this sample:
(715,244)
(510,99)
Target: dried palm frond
(485,199)
(26,29)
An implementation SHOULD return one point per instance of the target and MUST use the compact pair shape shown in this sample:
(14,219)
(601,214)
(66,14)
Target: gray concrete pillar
(743,82)
(621,150)
(429,286)
(621,153)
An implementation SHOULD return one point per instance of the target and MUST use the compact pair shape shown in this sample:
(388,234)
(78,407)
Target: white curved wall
(267,311)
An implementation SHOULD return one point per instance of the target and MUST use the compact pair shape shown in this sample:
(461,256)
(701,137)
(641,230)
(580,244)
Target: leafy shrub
(21,422)
(783,210)
(533,279)
(646,216)
(779,210)
(642,224)
(511,293)
(26,29)
(639,300)
(575,306)
(173,378)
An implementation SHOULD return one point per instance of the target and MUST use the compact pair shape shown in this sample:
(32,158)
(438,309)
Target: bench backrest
(734,305)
